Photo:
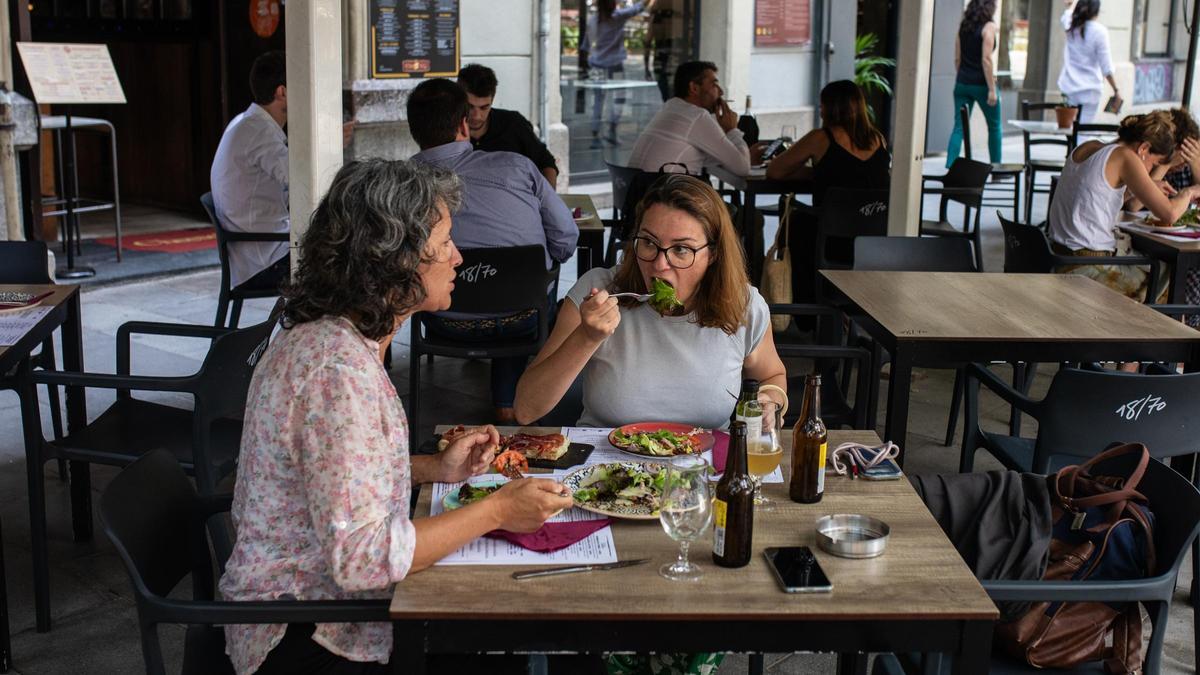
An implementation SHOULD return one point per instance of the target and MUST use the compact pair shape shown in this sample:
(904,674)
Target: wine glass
(788,132)
(764,453)
(685,511)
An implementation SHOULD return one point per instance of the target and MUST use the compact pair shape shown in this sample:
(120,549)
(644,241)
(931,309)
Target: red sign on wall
(782,23)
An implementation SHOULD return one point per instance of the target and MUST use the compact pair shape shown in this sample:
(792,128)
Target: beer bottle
(809,443)
(733,506)
(749,410)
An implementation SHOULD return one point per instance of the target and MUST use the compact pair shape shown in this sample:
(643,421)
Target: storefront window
(1156,27)
(608,99)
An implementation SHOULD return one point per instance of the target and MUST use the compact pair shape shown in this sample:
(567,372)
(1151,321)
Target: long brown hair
(724,291)
(1156,128)
(843,105)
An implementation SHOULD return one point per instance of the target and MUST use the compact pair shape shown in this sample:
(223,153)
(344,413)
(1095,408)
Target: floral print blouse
(322,498)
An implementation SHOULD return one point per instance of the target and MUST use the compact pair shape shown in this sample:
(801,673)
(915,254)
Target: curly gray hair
(365,241)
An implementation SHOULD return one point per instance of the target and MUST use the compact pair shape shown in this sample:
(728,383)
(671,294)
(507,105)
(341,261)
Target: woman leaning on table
(322,497)
(637,364)
(1095,181)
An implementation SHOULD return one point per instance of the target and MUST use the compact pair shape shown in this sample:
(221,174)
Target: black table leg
(408,649)
(896,427)
(755,667)
(31,423)
(81,484)
(975,650)
(852,664)
(5,640)
(590,251)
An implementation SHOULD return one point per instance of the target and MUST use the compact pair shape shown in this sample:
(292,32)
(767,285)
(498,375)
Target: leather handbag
(1102,530)
(776,286)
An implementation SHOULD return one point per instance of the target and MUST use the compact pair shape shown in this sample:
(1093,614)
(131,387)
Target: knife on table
(571,569)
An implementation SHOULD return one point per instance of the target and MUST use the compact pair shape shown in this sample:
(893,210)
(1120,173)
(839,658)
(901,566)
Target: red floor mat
(173,241)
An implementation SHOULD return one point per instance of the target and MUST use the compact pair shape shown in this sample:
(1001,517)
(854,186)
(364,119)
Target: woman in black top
(976,81)
(848,152)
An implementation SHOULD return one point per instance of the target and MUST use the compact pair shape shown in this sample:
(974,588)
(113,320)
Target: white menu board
(70,73)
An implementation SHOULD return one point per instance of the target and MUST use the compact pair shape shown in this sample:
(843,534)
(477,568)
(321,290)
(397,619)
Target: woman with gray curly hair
(322,497)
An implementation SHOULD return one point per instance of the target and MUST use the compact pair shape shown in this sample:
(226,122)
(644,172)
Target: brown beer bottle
(733,506)
(810,440)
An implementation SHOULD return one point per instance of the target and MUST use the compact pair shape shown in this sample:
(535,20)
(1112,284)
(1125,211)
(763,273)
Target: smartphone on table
(797,570)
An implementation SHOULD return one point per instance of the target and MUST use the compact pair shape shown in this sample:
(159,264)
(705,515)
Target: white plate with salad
(629,490)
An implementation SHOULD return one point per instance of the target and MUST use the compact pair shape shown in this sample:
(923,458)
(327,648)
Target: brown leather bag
(1091,514)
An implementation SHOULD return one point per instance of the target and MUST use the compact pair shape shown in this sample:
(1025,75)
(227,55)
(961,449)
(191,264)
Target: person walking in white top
(1087,61)
(249,176)
(1093,186)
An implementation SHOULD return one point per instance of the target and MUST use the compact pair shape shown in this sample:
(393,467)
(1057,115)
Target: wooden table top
(1188,246)
(591,218)
(997,306)
(61,295)
(759,183)
(920,575)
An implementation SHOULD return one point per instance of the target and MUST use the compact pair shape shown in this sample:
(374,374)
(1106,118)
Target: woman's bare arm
(793,161)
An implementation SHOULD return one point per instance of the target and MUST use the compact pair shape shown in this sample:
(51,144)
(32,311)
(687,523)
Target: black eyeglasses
(678,256)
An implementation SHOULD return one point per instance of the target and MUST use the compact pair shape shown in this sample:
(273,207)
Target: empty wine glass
(685,511)
(788,132)
(764,453)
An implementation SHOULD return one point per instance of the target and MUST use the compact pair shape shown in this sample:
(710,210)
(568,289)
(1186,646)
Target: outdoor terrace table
(917,596)
(591,231)
(65,314)
(1183,256)
(1040,127)
(751,187)
(950,319)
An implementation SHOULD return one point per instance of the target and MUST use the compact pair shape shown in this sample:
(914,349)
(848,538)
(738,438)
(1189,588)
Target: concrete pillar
(314,75)
(726,39)
(911,106)
(1044,52)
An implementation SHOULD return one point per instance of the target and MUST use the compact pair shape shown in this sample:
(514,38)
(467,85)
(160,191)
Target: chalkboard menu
(414,38)
(782,23)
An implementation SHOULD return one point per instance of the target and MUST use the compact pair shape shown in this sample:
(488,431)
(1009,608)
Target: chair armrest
(939,178)
(159,328)
(256,236)
(1004,390)
(1177,310)
(102,381)
(211,505)
(164,610)
(953,191)
(1074,591)
(804,309)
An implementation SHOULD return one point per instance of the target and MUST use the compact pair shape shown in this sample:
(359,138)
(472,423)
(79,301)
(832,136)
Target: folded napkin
(720,450)
(551,537)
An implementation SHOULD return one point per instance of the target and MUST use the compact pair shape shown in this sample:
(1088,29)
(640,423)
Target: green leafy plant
(868,68)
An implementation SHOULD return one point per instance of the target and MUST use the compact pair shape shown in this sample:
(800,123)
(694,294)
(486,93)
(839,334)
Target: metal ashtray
(850,535)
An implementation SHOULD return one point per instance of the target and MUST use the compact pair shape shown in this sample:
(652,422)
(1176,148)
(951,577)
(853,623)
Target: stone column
(911,102)
(726,39)
(314,75)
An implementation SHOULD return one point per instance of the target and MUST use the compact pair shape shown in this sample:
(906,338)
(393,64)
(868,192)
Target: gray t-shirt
(665,368)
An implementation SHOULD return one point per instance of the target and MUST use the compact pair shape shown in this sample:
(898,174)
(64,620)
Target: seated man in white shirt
(249,177)
(695,128)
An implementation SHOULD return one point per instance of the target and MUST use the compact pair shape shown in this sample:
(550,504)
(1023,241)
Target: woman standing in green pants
(976,81)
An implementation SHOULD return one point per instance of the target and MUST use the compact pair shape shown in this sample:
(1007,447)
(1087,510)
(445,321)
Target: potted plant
(1065,113)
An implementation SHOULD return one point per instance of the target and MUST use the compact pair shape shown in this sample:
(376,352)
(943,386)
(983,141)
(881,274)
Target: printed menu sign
(414,38)
(70,73)
(782,23)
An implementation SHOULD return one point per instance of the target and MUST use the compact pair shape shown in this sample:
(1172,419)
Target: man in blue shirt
(506,202)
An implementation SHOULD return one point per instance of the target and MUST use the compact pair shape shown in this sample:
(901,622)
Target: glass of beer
(764,453)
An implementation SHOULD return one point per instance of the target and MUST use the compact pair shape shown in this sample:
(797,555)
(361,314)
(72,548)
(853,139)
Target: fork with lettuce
(662,297)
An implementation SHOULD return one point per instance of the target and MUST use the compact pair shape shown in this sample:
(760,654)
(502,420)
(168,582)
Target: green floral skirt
(663,664)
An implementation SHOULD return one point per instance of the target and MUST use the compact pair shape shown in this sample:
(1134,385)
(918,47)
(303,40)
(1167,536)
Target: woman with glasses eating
(684,365)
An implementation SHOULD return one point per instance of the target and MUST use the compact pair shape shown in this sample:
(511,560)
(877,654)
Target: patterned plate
(450,501)
(585,476)
(703,440)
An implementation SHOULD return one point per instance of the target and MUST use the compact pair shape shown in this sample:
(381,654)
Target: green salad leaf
(663,298)
(469,494)
(622,486)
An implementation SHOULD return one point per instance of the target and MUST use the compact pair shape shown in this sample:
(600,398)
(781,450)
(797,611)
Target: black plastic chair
(912,254)
(230,293)
(1091,129)
(999,170)
(963,184)
(493,281)
(1176,507)
(844,216)
(205,440)
(24,262)
(1027,251)
(1030,111)
(155,519)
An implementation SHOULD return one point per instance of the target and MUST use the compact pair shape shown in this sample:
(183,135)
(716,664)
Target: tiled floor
(95,628)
